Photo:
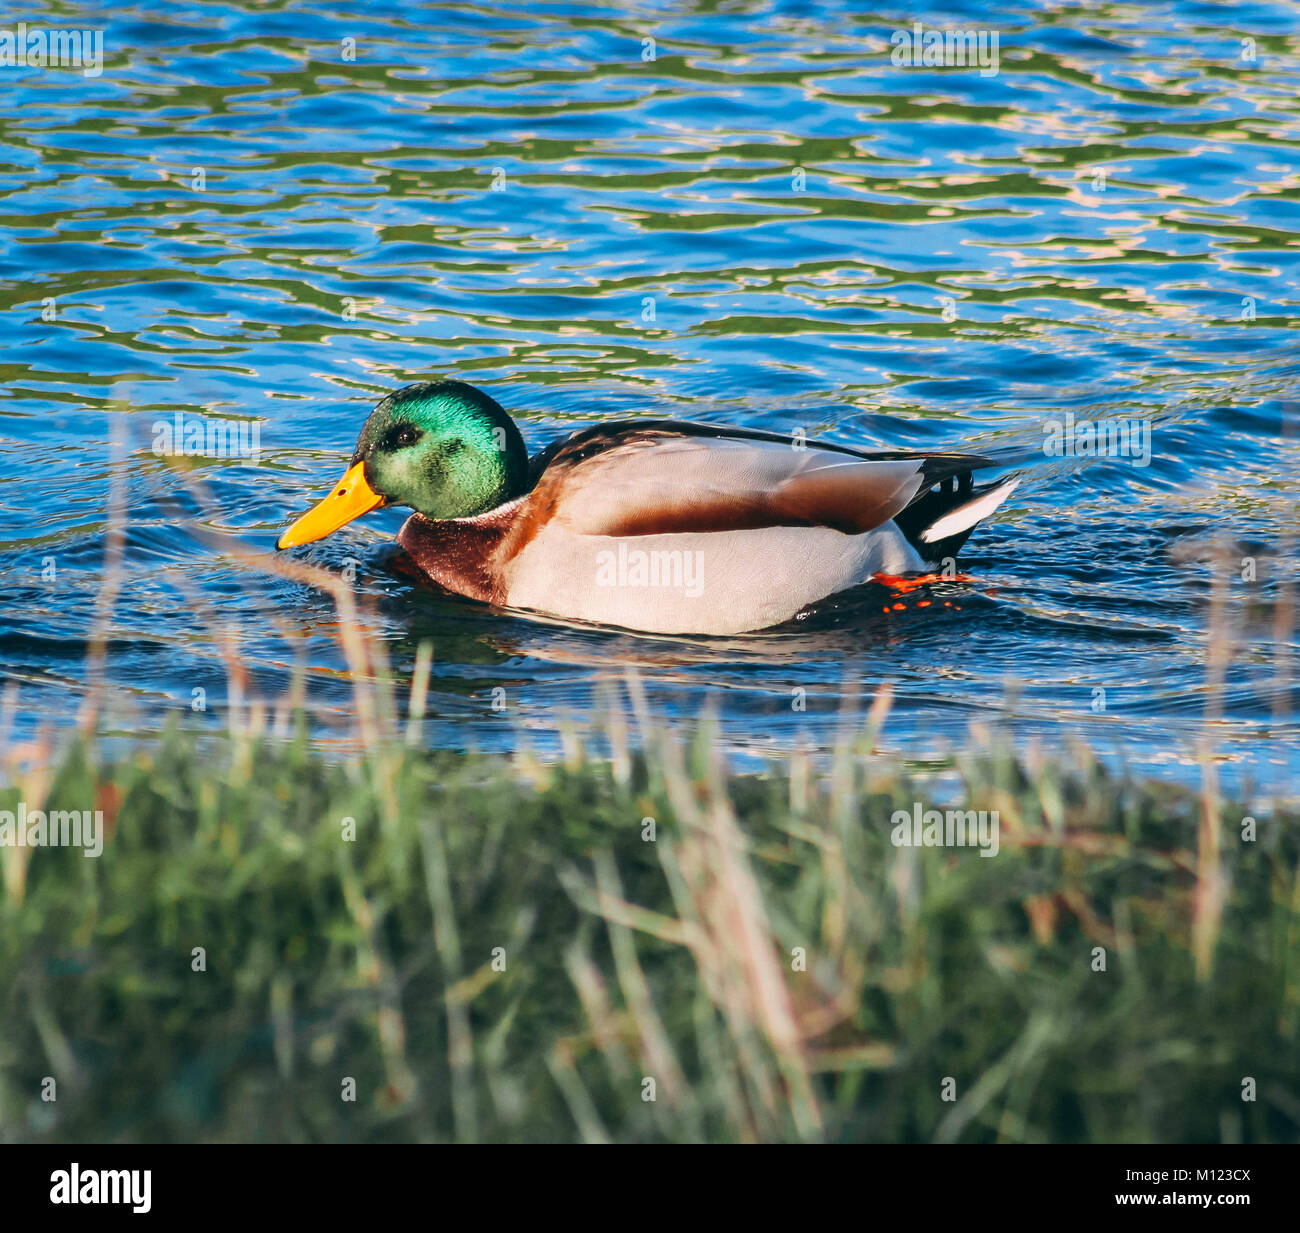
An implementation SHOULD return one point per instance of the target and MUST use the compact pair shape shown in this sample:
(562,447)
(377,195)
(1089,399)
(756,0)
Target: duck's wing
(665,477)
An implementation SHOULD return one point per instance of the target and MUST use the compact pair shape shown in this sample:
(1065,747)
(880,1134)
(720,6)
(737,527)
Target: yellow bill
(351,498)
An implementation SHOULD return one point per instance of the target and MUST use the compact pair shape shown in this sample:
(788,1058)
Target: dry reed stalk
(111,582)
(735,951)
(1210,893)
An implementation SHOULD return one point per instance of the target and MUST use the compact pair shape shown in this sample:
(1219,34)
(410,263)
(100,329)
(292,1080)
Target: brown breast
(462,554)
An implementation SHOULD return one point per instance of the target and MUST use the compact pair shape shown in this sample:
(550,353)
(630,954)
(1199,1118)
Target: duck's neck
(461,554)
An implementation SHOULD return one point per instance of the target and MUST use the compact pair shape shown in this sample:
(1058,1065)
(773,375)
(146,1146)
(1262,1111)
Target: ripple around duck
(768,224)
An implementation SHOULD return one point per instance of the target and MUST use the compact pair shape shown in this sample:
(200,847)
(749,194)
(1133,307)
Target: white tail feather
(966,516)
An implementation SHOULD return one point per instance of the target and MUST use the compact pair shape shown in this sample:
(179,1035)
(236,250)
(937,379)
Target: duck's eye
(406,436)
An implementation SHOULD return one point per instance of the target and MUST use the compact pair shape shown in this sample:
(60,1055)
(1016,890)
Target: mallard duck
(651,525)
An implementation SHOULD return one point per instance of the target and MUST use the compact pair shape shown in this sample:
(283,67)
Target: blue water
(767,224)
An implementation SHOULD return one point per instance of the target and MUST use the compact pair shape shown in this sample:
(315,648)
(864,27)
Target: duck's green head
(441,447)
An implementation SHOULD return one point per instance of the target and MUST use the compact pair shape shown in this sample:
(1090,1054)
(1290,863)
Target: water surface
(767,223)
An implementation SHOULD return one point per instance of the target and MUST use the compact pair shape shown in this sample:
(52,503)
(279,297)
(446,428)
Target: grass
(504,953)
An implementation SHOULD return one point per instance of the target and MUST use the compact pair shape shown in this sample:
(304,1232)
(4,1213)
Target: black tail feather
(932,504)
